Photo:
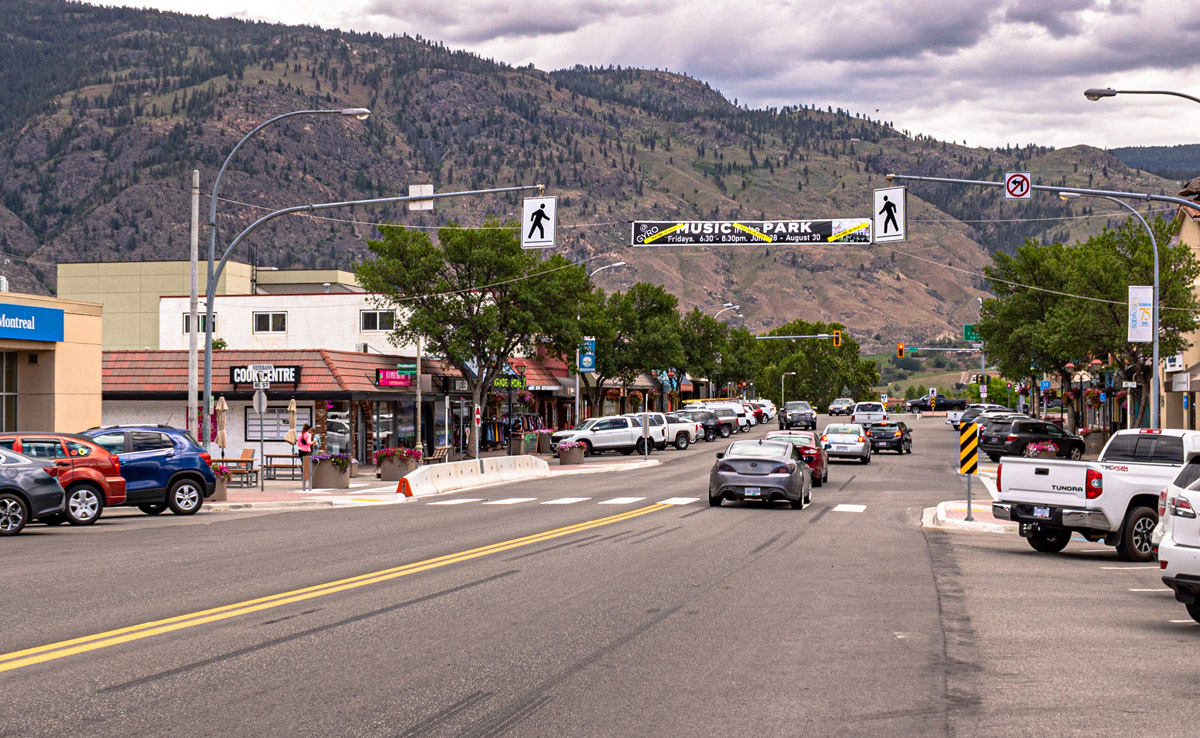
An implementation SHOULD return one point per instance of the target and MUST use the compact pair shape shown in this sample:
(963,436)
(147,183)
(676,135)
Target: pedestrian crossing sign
(889,214)
(539,222)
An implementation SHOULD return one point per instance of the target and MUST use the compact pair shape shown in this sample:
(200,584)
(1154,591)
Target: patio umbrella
(222,409)
(290,436)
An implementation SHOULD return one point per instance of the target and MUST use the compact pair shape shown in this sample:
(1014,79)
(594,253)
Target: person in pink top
(304,445)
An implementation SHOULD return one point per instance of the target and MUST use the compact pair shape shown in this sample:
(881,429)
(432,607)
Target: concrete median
(435,479)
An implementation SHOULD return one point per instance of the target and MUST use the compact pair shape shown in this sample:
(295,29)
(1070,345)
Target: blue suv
(163,467)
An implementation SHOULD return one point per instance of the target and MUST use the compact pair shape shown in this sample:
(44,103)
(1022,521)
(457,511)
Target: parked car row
(154,468)
(646,432)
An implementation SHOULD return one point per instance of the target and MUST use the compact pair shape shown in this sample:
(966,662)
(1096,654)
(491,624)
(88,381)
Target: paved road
(583,606)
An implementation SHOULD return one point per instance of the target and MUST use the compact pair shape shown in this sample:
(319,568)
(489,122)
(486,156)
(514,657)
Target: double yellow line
(62,649)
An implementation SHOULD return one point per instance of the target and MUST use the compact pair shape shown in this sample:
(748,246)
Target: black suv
(891,435)
(707,419)
(1013,437)
(797,414)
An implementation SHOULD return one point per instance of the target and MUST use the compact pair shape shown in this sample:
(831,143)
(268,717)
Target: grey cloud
(483,20)
(1058,17)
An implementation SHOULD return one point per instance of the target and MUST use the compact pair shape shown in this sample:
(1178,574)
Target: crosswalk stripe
(680,501)
(459,501)
(511,501)
(566,501)
(621,501)
(849,508)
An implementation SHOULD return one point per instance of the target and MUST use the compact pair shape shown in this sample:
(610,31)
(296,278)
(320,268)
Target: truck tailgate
(1043,481)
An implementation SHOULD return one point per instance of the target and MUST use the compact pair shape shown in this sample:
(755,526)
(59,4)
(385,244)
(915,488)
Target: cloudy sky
(988,73)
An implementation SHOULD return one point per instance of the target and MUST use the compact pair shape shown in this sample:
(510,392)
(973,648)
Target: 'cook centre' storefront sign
(30,323)
(279,375)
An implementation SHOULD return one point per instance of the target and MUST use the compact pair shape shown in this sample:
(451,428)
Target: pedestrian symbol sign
(968,449)
(539,221)
(889,213)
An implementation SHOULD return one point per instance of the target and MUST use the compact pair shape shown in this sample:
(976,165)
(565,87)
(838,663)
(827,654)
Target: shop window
(270,322)
(273,424)
(376,320)
(201,320)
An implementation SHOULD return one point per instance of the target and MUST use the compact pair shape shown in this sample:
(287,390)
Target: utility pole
(420,438)
(193,310)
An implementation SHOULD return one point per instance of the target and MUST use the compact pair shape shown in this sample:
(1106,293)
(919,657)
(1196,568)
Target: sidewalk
(366,489)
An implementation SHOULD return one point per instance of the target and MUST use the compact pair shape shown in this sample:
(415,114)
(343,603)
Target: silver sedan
(847,441)
(760,470)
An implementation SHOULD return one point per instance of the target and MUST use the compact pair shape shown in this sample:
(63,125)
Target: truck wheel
(1135,543)
(681,441)
(641,446)
(725,431)
(1194,610)
(710,435)
(1049,541)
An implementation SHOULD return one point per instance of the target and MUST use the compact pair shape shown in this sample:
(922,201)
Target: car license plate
(1041,512)
(753,491)
(842,448)
(994,439)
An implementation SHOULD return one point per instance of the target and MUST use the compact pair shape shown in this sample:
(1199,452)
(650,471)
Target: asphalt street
(584,606)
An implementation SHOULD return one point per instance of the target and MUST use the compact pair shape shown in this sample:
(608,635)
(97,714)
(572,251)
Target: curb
(935,517)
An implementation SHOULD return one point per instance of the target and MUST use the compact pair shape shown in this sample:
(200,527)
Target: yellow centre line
(753,232)
(62,649)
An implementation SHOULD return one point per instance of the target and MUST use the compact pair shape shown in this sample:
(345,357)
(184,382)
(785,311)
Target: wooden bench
(276,463)
(438,456)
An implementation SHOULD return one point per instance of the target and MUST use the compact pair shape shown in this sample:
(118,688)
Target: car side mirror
(720,455)
(828,446)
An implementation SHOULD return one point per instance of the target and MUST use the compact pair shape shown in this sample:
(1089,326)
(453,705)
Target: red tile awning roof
(323,373)
(541,374)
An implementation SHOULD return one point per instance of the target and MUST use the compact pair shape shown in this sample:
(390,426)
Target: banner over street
(705,232)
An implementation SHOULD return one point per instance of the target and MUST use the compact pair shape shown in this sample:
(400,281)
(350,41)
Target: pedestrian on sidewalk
(304,446)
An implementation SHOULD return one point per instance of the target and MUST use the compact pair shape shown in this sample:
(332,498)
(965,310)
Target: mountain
(108,110)
(1171,162)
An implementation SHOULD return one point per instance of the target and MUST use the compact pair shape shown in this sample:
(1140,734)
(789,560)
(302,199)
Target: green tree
(703,339)
(475,297)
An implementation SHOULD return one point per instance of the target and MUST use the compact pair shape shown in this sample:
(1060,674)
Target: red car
(90,475)
(810,448)
(756,411)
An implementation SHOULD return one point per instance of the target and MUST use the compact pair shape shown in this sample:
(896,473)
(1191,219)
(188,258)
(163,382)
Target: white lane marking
(680,501)
(456,502)
(1189,620)
(511,501)
(1126,568)
(1164,589)
(621,501)
(849,508)
(566,501)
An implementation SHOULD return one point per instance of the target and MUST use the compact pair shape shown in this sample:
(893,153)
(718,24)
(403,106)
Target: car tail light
(1162,565)
(862,440)
(51,470)
(867,433)
(823,438)
(851,417)
(897,434)
(1150,430)
(1094,484)
(116,463)
(1182,507)
(784,469)
(999,470)
(723,467)
(1162,502)
(207,458)
(1011,437)
(885,417)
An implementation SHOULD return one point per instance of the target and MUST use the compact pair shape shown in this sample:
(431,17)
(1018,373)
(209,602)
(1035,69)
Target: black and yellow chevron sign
(968,449)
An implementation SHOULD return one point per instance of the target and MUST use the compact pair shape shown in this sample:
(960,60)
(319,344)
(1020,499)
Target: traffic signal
(899,351)
(837,339)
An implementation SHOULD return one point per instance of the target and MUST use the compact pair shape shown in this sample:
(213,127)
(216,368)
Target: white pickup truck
(622,434)
(1114,499)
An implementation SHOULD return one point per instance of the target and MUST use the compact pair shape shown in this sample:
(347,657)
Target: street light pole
(578,399)
(782,396)
(1154,383)
(357,114)
(727,309)
(315,207)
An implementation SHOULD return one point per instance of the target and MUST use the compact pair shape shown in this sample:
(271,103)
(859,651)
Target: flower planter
(544,443)
(327,476)
(516,445)
(393,470)
(222,492)
(570,456)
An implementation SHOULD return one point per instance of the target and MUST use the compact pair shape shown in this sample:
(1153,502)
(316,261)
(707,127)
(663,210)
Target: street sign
(421,189)
(539,222)
(933,391)
(262,385)
(1174,363)
(1103,397)
(260,402)
(889,213)
(260,369)
(1008,385)
(710,232)
(983,391)
(478,417)
(970,332)
(1044,384)
(968,449)
(883,399)
(1018,186)
(406,367)
(1126,385)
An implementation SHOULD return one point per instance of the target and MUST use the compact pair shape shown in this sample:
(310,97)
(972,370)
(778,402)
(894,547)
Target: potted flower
(1033,450)
(395,463)
(571,452)
(544,434)
(1092,395)
(223,474)
(525,398)
(331,471)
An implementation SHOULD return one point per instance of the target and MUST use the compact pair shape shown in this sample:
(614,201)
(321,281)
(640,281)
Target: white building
(337,321)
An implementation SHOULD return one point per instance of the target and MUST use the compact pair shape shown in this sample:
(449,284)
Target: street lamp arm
(1048,188)
(1111,93)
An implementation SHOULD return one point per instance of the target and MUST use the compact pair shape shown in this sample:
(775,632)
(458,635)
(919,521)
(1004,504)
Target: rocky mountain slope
(109,110)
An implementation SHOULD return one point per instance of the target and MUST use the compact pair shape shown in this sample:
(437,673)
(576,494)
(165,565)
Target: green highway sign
(970,333)
(406,367)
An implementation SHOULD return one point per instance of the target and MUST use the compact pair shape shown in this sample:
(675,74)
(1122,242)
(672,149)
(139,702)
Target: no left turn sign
(1017,186)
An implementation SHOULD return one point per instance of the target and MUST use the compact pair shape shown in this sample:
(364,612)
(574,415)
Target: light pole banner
(1141,314)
